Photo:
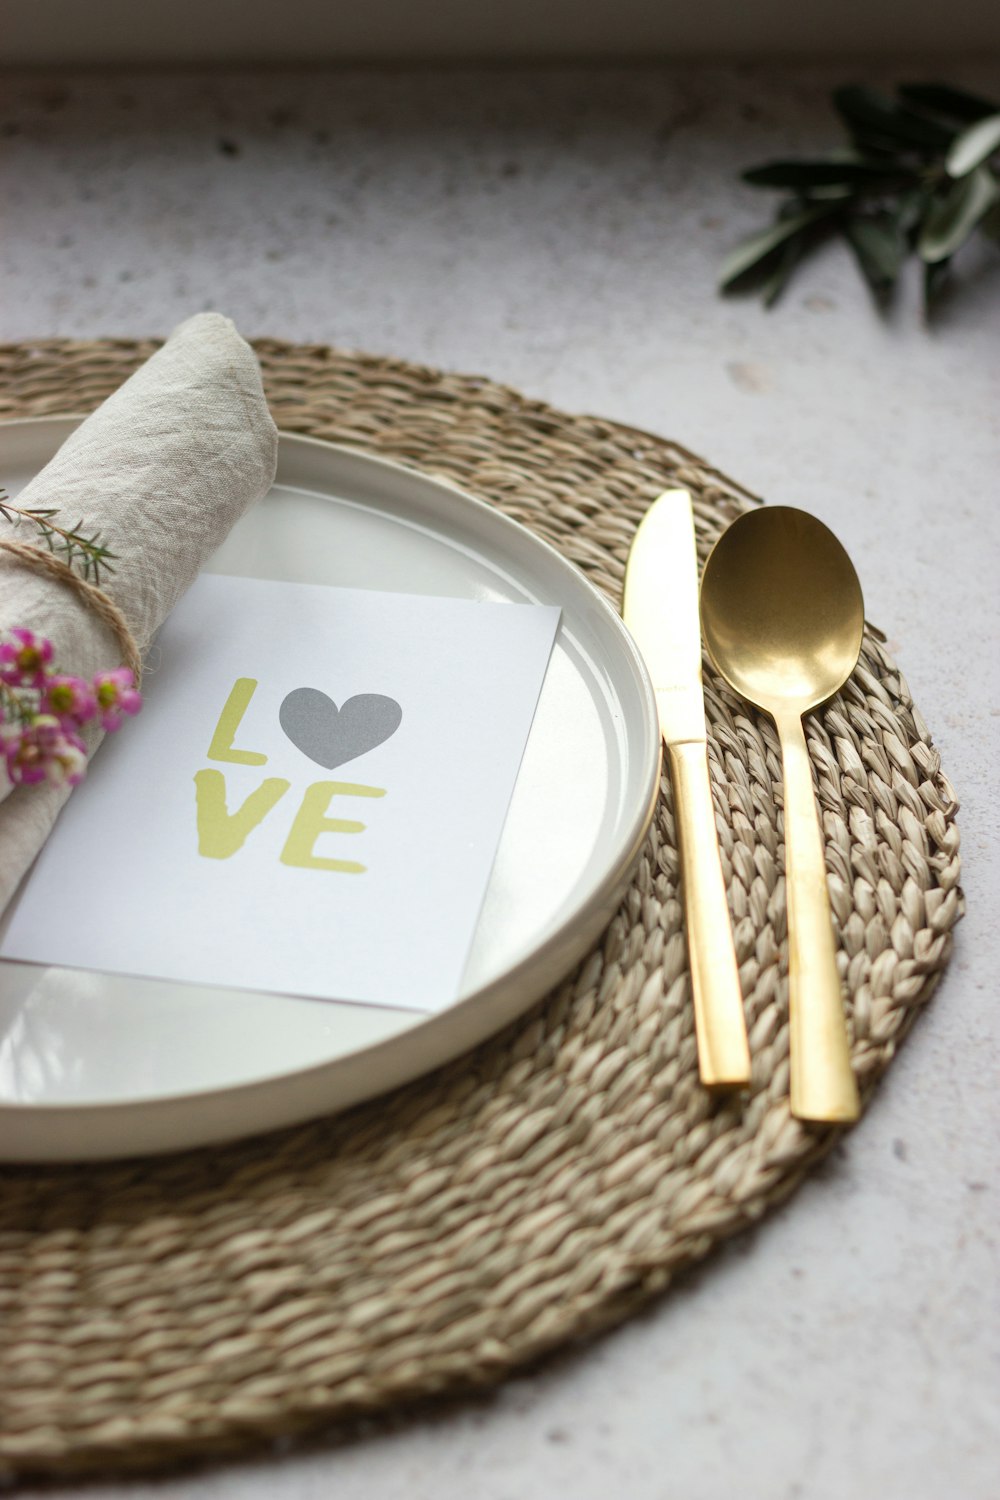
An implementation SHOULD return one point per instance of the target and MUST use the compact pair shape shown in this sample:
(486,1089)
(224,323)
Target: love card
(310,801)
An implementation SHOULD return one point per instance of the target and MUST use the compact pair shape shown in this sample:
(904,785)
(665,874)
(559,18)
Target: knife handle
(720,1025)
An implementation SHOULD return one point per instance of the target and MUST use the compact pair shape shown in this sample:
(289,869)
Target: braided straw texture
(546,1185)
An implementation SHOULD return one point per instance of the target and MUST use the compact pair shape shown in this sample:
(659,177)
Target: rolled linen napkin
(161,471)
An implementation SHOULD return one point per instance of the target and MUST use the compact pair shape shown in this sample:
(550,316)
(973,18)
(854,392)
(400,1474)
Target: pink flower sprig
(117,696)
(24,659)
(43,710)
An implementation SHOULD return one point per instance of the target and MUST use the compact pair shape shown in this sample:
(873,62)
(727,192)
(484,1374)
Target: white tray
(97,1065)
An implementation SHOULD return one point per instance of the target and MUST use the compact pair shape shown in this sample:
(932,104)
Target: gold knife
(660,609)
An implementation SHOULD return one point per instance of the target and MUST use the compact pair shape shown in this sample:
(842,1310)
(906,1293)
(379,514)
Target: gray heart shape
(330,735)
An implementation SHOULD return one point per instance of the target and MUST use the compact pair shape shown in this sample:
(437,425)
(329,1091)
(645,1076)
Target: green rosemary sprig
(921,174)
(87,554)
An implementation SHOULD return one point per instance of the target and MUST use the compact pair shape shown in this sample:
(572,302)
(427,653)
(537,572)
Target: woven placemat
(545,1185)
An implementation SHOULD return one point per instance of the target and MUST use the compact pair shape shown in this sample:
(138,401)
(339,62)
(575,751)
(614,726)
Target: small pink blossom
(23,659)
(41,710)
(44,750)
(71,699)
(116,696)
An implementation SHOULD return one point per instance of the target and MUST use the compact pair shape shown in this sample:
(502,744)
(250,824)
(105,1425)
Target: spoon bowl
(783,619)
(781,609)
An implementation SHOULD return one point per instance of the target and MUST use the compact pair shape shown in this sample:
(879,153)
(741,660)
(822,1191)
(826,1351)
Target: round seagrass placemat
(545,1185)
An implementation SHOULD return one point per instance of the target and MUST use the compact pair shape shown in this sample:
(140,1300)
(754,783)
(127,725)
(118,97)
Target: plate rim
(549,953)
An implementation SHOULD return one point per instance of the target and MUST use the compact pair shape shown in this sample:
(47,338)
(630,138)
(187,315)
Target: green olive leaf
(833,192)
(866,109)
(804,175)
(935,278)
(748,255)
(910,210)
(954,215)
(785,262)
(879,246)
(970,149)
(944,99)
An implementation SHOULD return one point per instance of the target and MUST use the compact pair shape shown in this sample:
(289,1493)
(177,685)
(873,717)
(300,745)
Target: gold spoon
(782,615)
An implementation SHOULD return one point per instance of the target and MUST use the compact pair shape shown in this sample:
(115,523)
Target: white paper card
(310,801)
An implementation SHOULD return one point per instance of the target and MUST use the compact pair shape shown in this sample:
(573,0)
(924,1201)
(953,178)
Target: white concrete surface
(561,231)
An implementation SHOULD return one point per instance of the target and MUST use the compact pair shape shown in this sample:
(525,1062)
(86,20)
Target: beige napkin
(162,471)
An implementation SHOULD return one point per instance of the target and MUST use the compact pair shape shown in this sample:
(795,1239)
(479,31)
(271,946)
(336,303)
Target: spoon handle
(823,1086)
(719,1021)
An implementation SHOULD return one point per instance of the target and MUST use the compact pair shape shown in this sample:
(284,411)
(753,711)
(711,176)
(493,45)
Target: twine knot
(96,599)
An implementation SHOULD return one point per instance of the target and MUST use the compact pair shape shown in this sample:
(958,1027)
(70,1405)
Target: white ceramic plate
(97,1065)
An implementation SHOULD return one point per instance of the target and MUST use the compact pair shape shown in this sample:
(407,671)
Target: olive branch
(916,177)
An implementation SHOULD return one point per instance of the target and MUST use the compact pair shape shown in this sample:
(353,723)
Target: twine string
(96,599)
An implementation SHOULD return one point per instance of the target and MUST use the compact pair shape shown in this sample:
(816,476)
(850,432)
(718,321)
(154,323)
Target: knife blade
(660,610)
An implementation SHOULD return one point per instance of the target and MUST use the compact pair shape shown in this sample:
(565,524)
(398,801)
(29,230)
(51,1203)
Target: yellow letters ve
(221,833)
(237,704)
(310,822)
